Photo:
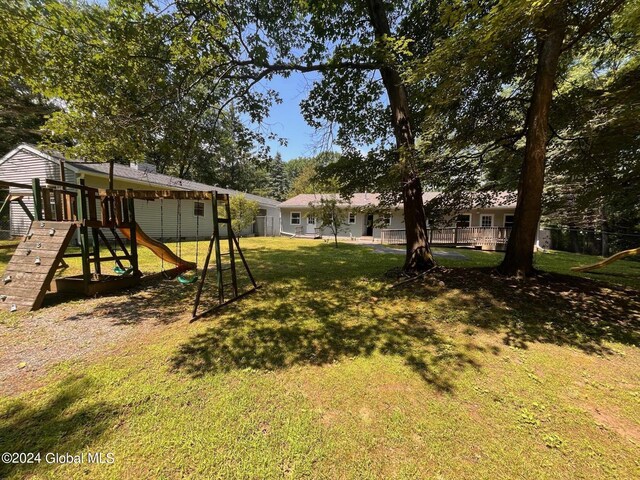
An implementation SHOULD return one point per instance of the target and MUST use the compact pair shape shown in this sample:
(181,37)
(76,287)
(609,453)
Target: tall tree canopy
(127,70)
(454,93)
(489,89)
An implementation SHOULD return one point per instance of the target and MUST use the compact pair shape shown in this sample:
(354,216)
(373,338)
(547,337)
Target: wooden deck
(491,238)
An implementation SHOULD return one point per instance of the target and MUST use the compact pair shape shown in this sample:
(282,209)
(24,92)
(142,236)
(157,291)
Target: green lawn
(327,373)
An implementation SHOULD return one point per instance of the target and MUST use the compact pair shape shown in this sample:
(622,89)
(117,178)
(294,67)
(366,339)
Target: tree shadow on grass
(324,320)
(63,424)
(320,331)
(550,308)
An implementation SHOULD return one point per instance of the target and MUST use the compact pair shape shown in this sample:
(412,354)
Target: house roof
(502,200)
(152,179)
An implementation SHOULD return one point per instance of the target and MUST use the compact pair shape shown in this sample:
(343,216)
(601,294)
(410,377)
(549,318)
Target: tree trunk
(418,256)
(518,259)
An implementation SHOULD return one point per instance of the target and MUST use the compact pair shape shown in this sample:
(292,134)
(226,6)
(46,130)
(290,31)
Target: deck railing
(471,236)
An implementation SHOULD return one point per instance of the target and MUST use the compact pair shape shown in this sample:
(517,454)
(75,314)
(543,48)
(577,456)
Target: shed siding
(157,218)
(22,167)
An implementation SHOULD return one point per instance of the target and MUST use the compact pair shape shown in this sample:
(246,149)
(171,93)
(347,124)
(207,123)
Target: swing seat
(121,271)
(184,280)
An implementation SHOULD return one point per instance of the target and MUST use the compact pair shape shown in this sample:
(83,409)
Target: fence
(590,242)
(475,236)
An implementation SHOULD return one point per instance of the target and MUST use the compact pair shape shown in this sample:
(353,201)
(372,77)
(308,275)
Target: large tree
(497,74)
(352,43)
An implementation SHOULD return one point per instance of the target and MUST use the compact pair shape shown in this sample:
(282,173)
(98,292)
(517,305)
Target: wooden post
(111,174)
(232,260)
(96,250)
(133,230)
(46,203)
(57,201)
(92,210)
(37,198)
(216,234)
(455,236)
(84,236)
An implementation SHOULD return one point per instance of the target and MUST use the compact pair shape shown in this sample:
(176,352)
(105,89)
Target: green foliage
(476,87)
(22,113)
(243,213)
(305,174)
(330,212)
(278,182)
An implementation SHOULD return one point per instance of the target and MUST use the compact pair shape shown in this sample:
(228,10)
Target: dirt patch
(606,417)
(83,329)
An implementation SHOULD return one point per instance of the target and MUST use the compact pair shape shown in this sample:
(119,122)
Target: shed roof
(152,179)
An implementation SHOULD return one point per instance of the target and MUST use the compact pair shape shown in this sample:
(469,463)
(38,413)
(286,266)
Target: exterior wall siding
(354,230)
(397,221)
(22,167)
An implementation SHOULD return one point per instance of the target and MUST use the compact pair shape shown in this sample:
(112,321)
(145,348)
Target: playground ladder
(33,265)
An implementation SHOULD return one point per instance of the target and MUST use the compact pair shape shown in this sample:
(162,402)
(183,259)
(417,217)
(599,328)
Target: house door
(311,225)
(369,226)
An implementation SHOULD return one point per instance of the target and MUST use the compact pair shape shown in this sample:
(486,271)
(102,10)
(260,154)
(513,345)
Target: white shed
(159,219)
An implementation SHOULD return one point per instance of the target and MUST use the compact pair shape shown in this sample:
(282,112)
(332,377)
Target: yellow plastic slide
(159,249)
(607,261)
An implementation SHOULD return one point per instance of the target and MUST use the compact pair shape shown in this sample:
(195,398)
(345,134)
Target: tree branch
(589,25)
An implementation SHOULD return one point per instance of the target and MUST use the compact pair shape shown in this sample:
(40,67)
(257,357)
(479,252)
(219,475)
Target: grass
(326,373)
(625,272)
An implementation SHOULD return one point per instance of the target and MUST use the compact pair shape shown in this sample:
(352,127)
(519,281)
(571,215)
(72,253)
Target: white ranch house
(159,219)
(488,227)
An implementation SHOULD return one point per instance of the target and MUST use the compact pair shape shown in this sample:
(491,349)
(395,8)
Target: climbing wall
(33,265)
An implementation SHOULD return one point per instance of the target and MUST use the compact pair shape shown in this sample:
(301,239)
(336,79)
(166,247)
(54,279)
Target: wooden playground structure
(60,209)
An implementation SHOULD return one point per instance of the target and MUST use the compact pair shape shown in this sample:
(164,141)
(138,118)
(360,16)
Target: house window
(311,220)
(486,220)
(198,209)
(352,218)
(295,218)
(463,220)
(508,221)
(386,219)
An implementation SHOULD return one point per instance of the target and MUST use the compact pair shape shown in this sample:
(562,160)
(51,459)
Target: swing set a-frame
(60,209)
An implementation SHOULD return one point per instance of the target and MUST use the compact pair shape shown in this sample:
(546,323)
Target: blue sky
(285,119)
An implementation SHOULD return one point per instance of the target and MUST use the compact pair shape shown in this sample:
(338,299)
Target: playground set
(60,209)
